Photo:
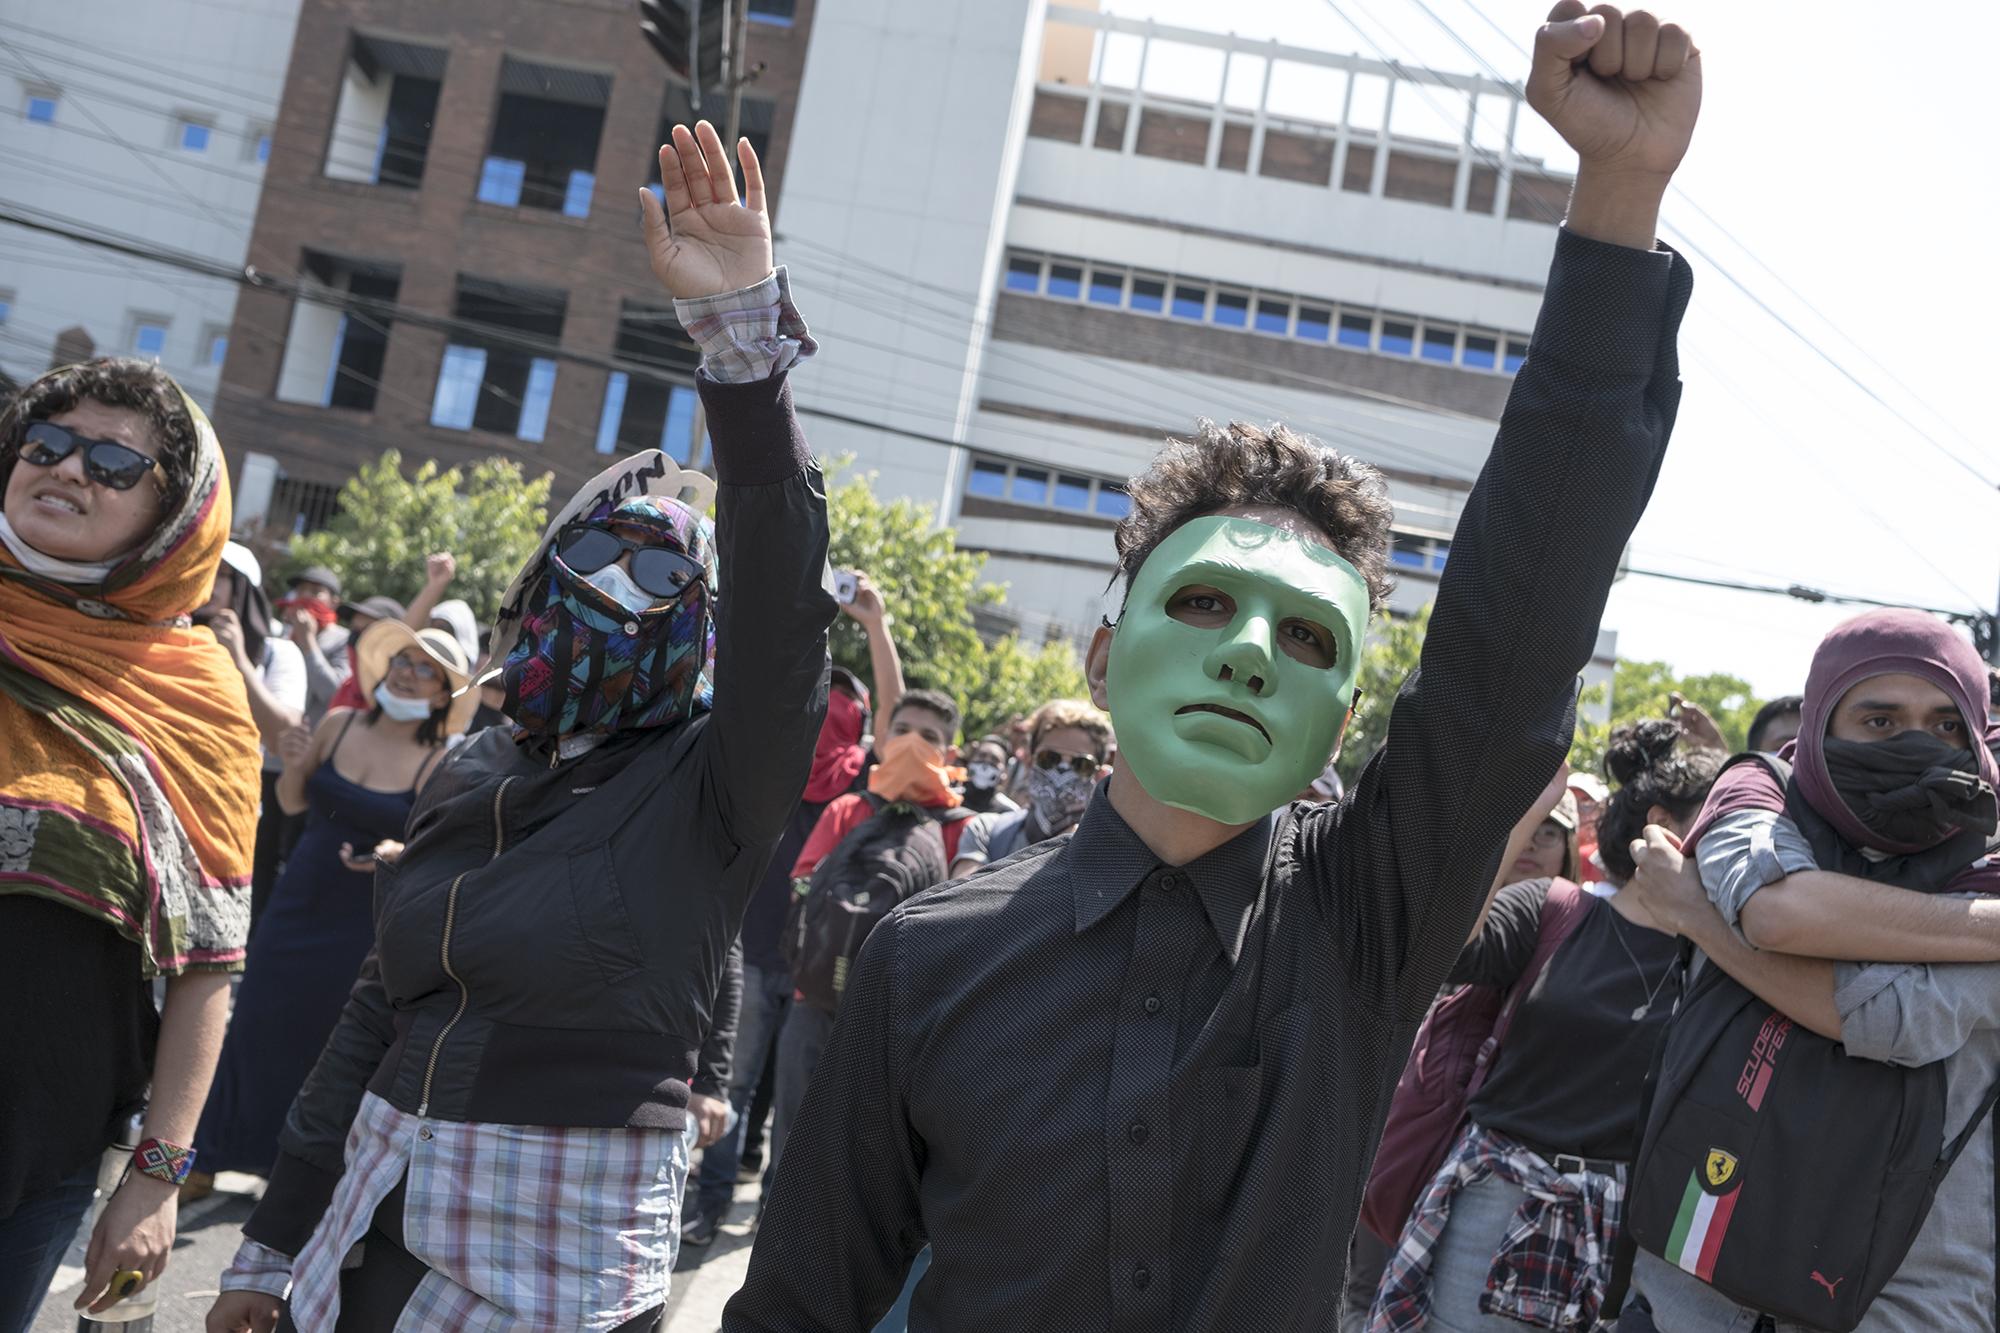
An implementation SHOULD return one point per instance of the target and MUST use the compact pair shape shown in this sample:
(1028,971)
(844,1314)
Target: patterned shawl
(128,760)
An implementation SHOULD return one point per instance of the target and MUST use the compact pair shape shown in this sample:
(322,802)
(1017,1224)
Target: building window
(149,336)
(1031,486)
(1107,288)
(335,350)
(388,103)
(194,136)
(1189,302)
(1314,322)
(1232,310)
(1356,330)
(1517,352)
(653,405)
(1112,502)
(1148,295)
(543,150)
(1024,275)
(1481,352)
(41,108)
(264,147)
(215,345)
(1411,550)
(493,383)
(988,480)
(6,306)
(1398,338)
(1273,316)
(1066,281)
(1072,492)
(759,114)
(1440,344)
(777,13)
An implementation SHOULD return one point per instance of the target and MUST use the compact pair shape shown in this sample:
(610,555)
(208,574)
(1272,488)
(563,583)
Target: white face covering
(399,709)
(615,583)
(982,776)
(47,566)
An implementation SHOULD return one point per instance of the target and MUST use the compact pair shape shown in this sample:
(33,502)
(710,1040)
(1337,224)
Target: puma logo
(1832,1288)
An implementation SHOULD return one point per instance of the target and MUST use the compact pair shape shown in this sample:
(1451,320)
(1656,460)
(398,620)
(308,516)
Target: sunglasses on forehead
(106,462)
(656,570)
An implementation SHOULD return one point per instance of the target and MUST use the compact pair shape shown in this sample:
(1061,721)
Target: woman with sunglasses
(128,805)
(356,778)
(497,1132)
(1068,741)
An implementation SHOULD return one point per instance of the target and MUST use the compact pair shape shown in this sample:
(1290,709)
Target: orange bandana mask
(913,770)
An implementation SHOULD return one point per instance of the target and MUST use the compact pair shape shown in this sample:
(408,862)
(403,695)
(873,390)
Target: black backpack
(1788,1175)
(894,854)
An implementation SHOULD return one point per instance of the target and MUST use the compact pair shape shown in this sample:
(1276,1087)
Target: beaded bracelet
(163,1161)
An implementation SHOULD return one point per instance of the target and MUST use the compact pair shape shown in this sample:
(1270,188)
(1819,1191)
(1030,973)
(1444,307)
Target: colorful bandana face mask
(1221,719)
(585,665)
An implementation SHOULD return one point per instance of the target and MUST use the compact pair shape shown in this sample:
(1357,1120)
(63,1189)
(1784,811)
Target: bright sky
(1861,171)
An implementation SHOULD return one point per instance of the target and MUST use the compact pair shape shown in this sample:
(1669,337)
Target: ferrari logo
(1721,1167)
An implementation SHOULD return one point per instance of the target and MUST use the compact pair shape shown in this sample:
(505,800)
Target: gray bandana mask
(1059,796)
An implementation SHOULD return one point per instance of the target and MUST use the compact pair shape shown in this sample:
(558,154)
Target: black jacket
(550,945)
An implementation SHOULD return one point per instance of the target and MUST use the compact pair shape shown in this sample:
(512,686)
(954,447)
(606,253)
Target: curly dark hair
(1651,767)
(114,381)
(1223,467)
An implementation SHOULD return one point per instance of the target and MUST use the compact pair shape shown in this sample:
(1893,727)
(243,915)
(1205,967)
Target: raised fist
(440,568)
(1623,89)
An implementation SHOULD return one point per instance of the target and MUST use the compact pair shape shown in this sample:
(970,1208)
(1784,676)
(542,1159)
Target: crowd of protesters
(551,936)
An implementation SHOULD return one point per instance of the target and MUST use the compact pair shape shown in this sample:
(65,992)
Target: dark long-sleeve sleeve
(310,1146)
(1501,951)
(855,1184)
(718,1049)
(1490,712)
(771,621)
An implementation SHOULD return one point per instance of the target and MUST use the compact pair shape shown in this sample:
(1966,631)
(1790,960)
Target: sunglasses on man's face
(1081,764)
(657,570)
(106,462)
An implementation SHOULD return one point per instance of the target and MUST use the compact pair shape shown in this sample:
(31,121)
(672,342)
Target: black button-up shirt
(1115,1094)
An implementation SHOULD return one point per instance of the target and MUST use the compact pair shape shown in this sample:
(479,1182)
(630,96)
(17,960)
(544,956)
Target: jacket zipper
(444,954)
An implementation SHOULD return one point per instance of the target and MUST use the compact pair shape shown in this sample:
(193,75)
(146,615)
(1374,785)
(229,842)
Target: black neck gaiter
(1914,789)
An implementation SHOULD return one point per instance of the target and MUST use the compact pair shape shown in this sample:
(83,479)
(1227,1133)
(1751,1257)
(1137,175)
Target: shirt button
(1136,1132)
(1142,1277)
(1172,881)
(425,1133)
(1153,1005)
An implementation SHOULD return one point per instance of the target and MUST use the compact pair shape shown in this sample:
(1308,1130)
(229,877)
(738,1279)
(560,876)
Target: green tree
(1641,690)
(931,590)
(491,519)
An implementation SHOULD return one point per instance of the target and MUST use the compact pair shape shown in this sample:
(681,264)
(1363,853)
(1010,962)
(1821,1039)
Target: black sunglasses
(1080,764)
(655,569)
(106,462)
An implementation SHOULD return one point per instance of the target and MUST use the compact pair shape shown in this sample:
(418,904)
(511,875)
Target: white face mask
(984,777)
(615,583)
(399,709)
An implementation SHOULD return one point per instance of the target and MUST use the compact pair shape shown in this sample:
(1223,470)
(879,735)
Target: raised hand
(440,568)
(704,241)
(1622,89)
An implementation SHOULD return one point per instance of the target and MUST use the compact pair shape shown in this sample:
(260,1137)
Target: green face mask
(1233,667)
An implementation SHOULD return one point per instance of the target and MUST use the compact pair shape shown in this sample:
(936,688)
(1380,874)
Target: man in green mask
(1133,1079)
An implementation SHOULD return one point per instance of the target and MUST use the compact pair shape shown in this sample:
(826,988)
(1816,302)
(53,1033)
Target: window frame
(1015,265)
(185,125)
(139,323)
(1218,295)
(31,96)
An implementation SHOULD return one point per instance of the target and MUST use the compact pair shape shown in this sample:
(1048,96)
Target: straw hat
(386,638)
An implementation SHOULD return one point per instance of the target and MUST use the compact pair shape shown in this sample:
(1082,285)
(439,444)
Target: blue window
(1024,275)
(1313,322)
(1072,492)
(264,147)
(535,400)
(1398,338)
(500,181)
(576,199)
(1031,486)
(42,110)
(777,13)
(1112,502)
(6,307)
(1273,316)
(1356,330)
(1481,353)
(615,385)
(1232,310)
(149,338)
(1066,281)
(458,384)
(1517,352)
(1148,295)
(1107,288)
(1440,344)
(1190,302)
(677,436)
(988,479)
(194,138)
(218,348)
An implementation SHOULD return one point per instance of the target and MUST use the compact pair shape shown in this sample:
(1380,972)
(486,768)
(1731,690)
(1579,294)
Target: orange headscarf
(129,765)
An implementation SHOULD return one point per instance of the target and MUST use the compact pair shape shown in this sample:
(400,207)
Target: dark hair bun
(1640,748)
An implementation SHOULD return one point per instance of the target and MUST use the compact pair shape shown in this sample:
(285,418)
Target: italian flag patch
(1699,1227)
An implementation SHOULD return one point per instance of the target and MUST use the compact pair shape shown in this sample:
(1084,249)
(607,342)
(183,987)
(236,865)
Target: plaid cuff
(750,334)
(258,1268)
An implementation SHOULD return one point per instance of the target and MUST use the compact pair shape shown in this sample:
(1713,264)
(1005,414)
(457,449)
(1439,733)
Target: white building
(1054,237)
(147,120)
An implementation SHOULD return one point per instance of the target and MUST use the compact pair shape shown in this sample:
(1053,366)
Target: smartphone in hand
(844,585)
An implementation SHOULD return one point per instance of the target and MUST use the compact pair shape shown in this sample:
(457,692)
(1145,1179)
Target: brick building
(475,163)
